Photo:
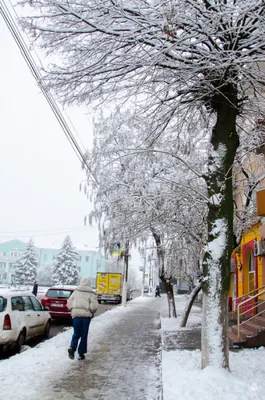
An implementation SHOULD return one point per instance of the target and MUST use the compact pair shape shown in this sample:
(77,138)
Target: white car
(22,317)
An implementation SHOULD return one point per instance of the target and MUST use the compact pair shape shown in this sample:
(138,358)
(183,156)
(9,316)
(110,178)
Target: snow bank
(183,378)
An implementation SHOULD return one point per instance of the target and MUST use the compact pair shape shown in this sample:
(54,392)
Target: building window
(79,268)
(44,257)
(87,258)
(4,253)
(12,253)
(80,258)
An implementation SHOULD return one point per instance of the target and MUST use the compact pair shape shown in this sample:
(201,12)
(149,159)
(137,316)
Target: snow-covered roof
(12,240)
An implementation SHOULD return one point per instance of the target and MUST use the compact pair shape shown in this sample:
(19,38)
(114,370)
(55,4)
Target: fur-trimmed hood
(85,286)
(83,301)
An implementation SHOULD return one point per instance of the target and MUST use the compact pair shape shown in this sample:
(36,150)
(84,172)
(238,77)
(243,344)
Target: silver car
(22,317)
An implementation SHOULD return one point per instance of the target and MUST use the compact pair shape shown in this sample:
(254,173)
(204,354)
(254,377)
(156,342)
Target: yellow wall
(248,236)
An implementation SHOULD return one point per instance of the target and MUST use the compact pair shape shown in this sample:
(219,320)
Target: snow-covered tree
(44,275)
(65,270)
(173,59)
(143,193)
(26,266)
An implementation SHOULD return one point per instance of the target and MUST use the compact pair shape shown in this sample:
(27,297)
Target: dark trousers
(81,326)
(158,294)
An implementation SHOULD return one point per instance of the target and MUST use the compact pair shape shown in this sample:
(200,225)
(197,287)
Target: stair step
(260,319)
(254,326)
(233,340)
(244,333)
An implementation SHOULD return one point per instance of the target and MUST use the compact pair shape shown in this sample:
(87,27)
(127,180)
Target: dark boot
(71,353)
(81,357)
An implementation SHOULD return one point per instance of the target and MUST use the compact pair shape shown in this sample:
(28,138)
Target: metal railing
(247,294)
(254,306)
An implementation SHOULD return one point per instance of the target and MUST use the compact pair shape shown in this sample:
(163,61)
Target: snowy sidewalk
(123,360)
(126,365)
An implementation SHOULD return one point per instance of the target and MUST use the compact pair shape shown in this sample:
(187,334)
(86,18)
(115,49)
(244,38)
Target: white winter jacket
(83,301)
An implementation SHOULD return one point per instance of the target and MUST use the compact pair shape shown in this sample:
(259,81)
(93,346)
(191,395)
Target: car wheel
(47,330)
(20,341)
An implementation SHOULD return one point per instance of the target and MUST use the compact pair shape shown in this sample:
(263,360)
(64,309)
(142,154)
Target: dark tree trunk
(168,286)
(191,300)
(216,266)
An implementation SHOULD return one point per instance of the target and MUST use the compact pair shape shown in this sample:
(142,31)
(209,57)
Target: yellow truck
(109,287)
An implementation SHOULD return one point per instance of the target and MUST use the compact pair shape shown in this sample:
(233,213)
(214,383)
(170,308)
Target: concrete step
(233,340)
(260,319)
(244,333)
(254,326)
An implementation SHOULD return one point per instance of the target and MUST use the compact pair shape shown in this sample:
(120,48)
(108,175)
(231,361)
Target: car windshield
(64,293)
(2,303)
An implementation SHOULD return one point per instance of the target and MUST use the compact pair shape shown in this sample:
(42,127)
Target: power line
(12,26)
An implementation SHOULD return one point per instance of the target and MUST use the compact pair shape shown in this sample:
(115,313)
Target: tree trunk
(168,286)
(162,275)
(189,304)
(216,265)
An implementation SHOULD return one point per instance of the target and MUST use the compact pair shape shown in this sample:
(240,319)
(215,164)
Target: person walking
(157,291)
(83,304)
(35,288)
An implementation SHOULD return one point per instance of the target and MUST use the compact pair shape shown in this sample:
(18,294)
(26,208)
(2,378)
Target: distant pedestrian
(83,303)
(35,288)
(157,291)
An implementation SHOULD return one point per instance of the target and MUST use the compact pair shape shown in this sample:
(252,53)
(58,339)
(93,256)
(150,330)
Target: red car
(56,299)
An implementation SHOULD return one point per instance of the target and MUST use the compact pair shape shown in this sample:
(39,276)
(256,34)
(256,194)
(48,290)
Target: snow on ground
(172,324)
(183,378)
(30,374)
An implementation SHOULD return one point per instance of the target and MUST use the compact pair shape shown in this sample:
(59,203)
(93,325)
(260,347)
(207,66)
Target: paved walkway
(126,365)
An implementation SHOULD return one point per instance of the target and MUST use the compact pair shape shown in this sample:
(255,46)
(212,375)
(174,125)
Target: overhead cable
(14,30)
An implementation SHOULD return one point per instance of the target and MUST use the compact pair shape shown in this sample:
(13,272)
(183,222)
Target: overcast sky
(39,171)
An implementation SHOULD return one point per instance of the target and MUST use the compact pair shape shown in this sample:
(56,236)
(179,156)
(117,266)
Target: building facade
(90,261)
(248,258)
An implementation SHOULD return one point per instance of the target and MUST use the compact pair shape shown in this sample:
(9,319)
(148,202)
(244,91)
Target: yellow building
(248,259)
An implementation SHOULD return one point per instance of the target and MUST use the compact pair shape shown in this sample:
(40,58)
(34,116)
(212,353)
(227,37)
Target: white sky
(39,171)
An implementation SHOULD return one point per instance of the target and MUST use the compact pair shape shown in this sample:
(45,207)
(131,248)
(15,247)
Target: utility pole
(143,274)
(150,271)
(125,274)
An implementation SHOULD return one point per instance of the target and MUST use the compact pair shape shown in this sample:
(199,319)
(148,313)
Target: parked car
(146,289)
(56,298)
(22,317)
